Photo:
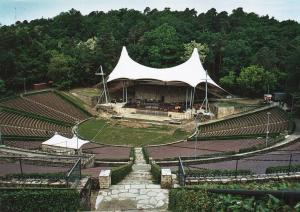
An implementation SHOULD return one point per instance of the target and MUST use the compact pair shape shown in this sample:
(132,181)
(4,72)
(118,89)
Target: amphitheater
(233,148)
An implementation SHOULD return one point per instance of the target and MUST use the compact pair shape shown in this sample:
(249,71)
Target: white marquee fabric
(190,72)
(61,141)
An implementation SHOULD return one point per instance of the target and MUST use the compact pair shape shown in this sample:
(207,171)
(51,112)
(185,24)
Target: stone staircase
(135,192)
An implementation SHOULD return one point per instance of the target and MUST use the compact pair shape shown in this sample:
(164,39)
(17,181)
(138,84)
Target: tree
(60,70)
(228,81)
(189,47)
(161,46)
(254,80)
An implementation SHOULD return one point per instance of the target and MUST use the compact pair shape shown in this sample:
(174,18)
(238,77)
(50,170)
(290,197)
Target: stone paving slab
(136,192)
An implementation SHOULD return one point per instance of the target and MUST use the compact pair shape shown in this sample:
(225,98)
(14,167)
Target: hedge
(132,153)
(39,200)
(72,102)
(283,169)
(156,172)
(146,155)
(120,172)
(34,116)
(24,138)
(50,176)
(216,172)
(201,200)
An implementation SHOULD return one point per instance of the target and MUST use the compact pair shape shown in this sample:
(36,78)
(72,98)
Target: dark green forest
(246,53)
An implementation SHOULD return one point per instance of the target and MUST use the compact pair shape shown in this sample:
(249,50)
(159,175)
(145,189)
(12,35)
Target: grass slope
(119,132)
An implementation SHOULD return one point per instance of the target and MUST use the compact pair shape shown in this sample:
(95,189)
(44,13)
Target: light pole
(267,133)
(196,134)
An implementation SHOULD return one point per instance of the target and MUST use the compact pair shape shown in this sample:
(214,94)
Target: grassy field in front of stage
(131,132)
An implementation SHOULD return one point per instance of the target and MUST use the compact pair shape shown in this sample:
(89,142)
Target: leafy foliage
(156,172)
(39,200)
(70,47)
(51,176)
(119,173)
(256,80)
(197,198)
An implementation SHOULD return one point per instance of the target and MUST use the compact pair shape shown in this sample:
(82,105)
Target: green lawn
(116,132)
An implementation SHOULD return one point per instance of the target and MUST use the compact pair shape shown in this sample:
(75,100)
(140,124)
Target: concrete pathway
(135,192)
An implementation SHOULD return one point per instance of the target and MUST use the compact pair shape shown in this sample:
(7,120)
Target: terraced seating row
(13,124)
(31,145)
(48,105)
(52,100)
(254,123)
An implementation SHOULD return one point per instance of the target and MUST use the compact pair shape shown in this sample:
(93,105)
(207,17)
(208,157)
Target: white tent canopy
(61,141)
(190,72)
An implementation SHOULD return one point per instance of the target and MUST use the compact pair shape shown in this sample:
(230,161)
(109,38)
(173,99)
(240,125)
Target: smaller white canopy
(61,141)
(190,72)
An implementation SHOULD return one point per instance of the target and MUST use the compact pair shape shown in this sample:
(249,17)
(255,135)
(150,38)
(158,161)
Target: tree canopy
(69,48)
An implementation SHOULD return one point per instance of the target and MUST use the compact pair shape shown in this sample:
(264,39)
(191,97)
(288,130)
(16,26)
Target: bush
(50,176)
(216,172)
(201,200)
(39,200)
(146,155)
(156,172)
(132,154)
(119,173)
(283,169)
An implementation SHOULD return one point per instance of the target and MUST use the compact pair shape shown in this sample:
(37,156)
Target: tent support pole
(123,91)
(126,92)
(186,98)
(191,98)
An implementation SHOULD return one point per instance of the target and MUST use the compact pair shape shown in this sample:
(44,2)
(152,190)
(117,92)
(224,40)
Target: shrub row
(216,172)
(120,172)
(72,102)
(132,154)
(156,172)
(51,176)
(39,200)
(201,200)
(283,169)
(24,138)
(146,155)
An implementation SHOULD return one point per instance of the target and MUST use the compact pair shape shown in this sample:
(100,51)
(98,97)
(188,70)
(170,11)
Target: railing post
(181,172)
(290,163)
(80,168)
(21,168)
(236,167)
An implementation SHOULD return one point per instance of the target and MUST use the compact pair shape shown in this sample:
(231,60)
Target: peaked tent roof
(190,72)
(61,141)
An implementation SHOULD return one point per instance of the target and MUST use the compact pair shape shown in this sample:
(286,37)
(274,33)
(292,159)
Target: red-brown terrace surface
(187,148)
(258,163)
(107,152)
(13,167)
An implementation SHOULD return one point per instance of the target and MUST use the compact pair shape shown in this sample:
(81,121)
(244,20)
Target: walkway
(135,192)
